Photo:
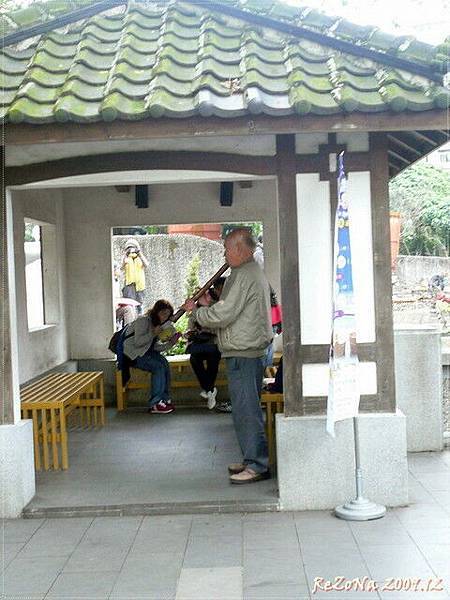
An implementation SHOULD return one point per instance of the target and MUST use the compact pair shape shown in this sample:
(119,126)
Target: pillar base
(418,383)
(317,472)
(17,478)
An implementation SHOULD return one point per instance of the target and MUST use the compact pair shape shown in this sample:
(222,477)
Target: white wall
(91,212)
(44,348)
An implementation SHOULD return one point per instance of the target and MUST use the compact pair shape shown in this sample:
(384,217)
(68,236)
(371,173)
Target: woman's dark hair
(220,282)
(216,288)
(157,307)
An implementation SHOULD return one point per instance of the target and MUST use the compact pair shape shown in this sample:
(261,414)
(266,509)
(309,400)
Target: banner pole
(359,509)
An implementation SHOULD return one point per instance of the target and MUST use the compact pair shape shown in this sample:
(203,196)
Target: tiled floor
(260,556)
(142,458)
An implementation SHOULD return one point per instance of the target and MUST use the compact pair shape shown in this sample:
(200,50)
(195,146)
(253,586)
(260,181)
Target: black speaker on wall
(226,193)
(141,196)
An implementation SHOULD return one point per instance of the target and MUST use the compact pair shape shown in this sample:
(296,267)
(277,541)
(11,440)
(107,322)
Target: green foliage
(256,228)
(191,286)
(155,229)
(422,195)
(29,237)
(192,277)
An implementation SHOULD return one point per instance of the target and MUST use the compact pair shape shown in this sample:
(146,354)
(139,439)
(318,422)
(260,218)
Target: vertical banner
(343,391)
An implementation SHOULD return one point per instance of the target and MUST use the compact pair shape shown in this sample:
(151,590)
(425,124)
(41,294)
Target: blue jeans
(158,366)
(244,383)
(268,358)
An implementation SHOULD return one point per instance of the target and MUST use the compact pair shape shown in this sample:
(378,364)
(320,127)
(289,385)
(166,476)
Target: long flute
(180,312)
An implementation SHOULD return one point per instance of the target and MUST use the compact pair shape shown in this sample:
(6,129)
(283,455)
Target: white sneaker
(204,394)
(212,399)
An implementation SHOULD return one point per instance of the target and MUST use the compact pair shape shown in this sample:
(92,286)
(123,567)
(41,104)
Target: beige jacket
(242,315)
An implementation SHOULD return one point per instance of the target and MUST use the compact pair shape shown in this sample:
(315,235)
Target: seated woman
(205,355)
(142,347)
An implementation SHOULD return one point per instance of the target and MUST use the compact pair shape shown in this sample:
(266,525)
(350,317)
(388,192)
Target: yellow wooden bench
(272,404)
(50,400)
(179,364)
(139,380)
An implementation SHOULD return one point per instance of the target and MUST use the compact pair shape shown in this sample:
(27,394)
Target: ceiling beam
(426,138)
(138,161)
(398,142)
(399,157)
(26,134)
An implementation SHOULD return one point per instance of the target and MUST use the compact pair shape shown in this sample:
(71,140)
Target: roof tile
(175,59)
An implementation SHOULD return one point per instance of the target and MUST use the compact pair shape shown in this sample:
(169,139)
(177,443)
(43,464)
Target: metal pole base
(360,509)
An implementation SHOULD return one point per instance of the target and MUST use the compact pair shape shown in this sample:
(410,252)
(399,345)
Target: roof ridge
(230,8)
(52,23)
(334,31)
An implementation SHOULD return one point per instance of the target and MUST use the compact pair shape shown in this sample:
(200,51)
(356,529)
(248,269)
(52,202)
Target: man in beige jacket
(243,324)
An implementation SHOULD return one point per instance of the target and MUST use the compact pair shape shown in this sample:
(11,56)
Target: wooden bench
(139,380)
(179,364)
(50,400)
(272,404)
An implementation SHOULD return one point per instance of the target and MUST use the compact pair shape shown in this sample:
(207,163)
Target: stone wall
(418,269)
(169,258)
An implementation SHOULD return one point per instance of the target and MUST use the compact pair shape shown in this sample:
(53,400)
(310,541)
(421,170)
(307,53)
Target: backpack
(113,342)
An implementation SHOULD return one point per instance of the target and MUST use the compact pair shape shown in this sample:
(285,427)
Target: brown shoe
(235,468)
(248,476)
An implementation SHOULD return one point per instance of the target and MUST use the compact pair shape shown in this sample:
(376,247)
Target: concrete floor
(139,458)
(262,556)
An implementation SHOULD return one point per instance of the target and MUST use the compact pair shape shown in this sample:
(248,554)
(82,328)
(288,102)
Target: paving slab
(215,583)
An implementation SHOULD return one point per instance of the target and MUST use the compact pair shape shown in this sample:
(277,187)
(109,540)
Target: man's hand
(189,305)
(205,300)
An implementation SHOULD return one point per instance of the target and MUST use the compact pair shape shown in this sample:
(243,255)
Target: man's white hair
(242,235)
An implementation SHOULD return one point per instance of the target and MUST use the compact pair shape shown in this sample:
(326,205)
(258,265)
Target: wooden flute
(180,312)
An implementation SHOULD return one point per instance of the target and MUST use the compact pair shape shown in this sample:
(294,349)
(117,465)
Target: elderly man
(242,320)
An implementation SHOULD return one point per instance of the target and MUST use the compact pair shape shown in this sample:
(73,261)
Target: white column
(17,480)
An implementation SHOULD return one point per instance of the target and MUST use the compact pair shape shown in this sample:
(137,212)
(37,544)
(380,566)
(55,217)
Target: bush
(422,194)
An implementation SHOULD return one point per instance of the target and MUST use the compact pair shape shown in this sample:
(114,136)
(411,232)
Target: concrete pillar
(317,472)
(17,483)
(418,372)
(6,396)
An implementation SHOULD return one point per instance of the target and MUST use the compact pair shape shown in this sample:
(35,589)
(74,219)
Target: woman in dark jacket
(205,355)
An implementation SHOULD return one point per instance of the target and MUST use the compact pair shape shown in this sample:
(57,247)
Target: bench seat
(182,377)
(49,401)
(272,404)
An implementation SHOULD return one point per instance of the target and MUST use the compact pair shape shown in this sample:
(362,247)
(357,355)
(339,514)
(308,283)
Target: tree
(9,6)
(192,277)
(421,194)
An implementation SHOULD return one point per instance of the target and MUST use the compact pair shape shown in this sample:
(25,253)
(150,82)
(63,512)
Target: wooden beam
(316,163)
(379,194)
(136,161)
(26,133)
(319,353)
(317,405)
(399,157)
(399,142)
(290,291)
(426,138)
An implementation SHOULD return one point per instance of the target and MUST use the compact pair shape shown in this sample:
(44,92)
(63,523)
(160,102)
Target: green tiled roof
(176,59)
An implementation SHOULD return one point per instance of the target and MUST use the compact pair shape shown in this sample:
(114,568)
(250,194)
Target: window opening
(33,275)
(177,260)
(41,273)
